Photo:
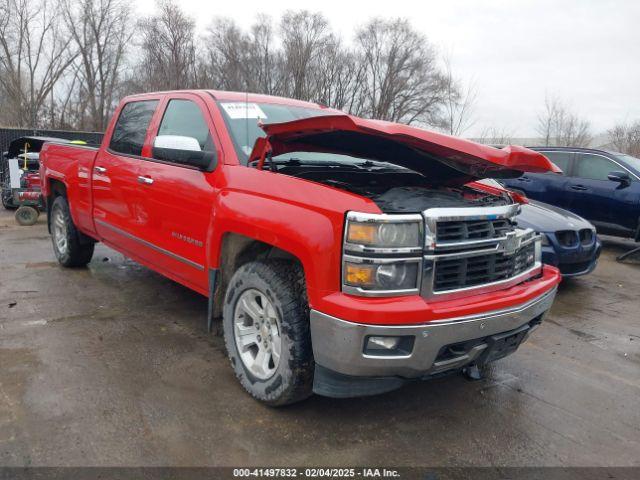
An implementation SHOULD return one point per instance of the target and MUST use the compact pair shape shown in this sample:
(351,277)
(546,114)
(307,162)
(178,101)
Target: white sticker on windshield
(243,110)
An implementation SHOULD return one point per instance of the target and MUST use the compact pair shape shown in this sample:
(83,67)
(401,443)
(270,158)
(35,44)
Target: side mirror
(620,177)
(184,150)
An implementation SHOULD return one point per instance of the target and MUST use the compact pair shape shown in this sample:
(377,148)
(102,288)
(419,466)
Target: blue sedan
(569,242)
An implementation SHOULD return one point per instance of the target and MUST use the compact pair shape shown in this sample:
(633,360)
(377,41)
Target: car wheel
(266,331)
(26,215)
(68,246)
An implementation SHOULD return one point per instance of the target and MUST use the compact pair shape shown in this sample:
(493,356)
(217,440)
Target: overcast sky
(587,52)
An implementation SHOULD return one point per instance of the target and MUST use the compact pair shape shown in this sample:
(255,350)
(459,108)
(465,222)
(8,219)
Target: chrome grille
(458,231)
(481,269)
(476,250)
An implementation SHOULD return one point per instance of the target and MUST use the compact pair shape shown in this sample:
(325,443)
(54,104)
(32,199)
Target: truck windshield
(242,120)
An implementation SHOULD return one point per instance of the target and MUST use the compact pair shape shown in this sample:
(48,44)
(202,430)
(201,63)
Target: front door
(593,196)
(177,199)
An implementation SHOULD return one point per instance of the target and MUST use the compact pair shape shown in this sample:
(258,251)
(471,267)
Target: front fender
(312,237)
(297,216)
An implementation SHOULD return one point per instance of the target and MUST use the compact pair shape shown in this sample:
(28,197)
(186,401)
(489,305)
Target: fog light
(383,343)
(389,346)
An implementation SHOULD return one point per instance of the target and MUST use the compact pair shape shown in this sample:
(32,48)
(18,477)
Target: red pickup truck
(344,256)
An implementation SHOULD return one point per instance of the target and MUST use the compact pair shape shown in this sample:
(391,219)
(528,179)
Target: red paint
(295,215)
(32,181)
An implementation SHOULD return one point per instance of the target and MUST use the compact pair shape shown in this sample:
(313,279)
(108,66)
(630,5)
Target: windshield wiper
(366,165)
(294,162)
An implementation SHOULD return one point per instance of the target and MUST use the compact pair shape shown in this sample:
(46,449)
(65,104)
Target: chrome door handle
(100,169)
(145,180)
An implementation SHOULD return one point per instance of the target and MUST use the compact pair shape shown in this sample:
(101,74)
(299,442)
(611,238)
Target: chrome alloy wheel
(59,231)
(256,330)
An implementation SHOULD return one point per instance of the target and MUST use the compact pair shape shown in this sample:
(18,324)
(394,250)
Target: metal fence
(7,135)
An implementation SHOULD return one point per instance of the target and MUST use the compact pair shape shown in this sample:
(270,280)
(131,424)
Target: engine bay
(394,190)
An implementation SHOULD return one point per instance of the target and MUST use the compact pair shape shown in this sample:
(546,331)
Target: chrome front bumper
(339,345)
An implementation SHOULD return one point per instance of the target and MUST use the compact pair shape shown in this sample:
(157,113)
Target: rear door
(547,187)
(593,196)
(177,199)
(116,199)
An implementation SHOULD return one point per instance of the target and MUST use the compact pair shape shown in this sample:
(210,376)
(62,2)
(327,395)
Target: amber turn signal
(359,275)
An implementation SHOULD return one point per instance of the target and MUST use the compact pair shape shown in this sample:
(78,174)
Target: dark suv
(601,186)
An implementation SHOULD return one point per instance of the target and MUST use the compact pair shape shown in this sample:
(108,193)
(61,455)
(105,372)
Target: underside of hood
(440,158)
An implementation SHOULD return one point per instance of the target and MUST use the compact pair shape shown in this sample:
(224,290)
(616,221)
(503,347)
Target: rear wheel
(26,215)
(266,331)
(68,245)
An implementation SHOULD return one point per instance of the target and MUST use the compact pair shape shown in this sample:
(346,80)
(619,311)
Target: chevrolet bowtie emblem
(510,244)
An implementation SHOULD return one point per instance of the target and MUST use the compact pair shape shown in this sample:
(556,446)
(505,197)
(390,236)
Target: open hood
(440,158)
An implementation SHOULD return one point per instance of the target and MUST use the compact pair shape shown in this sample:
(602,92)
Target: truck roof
(242,97)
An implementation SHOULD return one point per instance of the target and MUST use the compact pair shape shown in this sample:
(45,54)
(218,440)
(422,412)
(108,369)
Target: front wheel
(266,331)
(68,246)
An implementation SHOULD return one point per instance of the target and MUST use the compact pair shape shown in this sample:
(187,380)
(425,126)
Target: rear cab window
(131,127)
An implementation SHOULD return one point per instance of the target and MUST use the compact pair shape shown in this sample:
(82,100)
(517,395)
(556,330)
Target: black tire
(27,216)
(7,203)
(77,251)
(282,283)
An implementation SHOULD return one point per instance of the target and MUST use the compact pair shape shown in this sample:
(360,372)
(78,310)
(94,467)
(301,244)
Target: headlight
(384,235)
(382,254)
(384,231)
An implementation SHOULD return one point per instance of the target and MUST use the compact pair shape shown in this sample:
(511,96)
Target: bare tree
(226,50)
(311,64)
(626,138)
(495,136)
(101,31)
(339,77)
(306,40)
(264,58)
(71,77)
(403,81)
(558,126)
(35,53)
(168,50)
(459,103)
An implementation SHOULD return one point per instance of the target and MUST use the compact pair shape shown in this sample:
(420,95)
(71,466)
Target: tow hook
(472,372)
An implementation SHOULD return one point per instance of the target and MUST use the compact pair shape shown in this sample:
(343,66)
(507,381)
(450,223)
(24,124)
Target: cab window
(593,167)
(130,130)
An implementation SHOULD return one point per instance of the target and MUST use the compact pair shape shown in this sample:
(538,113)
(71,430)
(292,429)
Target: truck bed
(70,165)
